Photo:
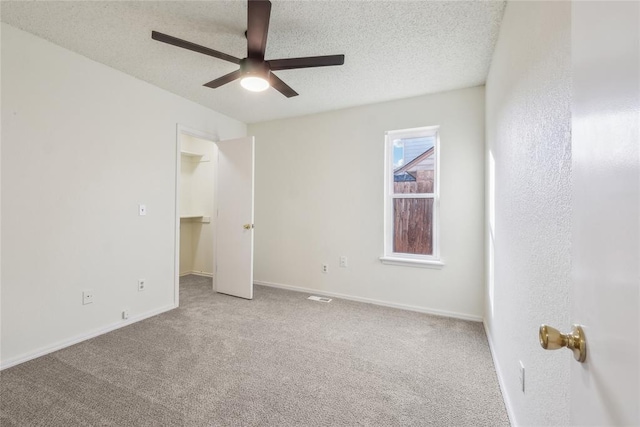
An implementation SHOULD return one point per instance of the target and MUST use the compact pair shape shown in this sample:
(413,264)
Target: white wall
(319,195)
(197,187)
(82,146)
(528,95)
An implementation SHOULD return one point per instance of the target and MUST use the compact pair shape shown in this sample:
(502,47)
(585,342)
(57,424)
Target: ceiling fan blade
(257,28)
(281,86)
(192,46)
(307,62)
(227,78)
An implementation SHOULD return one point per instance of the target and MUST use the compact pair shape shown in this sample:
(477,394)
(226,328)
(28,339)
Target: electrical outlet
(125,314)
(142,210)
(142,284)
(521,375)
(343,261)
(325,268)
(87,296)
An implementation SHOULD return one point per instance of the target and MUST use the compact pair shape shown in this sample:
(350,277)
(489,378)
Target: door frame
(185,130)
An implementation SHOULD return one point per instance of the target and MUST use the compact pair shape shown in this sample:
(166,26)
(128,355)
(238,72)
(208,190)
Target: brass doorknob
(247,226)
(552,339)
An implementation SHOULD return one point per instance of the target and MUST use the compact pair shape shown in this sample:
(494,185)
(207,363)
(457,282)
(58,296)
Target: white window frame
(396,258)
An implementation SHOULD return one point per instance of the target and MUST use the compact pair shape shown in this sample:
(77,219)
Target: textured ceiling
(393,49)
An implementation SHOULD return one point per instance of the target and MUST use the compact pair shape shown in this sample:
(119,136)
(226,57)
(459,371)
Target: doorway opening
(196,205)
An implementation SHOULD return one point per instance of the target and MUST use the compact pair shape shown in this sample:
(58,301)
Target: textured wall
(320,195)
(529,205)
(77,158)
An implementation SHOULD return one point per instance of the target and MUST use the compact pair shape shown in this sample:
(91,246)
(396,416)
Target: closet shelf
(190,154)
(195,218)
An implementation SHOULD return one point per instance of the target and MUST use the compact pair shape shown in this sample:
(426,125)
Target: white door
(234,225)
(606,218)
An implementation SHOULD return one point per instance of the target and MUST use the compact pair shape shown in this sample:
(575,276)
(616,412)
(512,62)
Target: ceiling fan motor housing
(255,68)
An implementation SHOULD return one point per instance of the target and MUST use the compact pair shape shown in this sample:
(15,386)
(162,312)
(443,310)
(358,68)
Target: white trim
(407,307)
(176,235)
(390,257)
(83,337)
(503,387)
(197,273)
(412,196)
(409,262)
(414,132)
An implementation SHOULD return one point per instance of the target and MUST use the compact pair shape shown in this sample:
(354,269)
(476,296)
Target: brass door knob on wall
(552,339)
(247,226)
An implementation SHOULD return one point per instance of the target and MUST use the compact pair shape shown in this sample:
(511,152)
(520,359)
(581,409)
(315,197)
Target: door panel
(606,219)
(234,247)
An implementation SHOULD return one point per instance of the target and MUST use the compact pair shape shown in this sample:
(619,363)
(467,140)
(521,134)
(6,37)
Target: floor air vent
(321,299)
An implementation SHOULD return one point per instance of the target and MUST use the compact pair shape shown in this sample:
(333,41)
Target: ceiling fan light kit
(255,75)
(255,72)
(254,84)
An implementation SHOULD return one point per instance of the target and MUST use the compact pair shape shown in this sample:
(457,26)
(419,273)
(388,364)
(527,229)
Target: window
(411,197)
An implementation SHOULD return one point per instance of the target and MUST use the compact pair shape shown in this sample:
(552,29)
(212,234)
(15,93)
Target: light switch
(87,296)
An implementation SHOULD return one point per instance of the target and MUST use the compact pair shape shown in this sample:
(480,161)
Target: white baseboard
(501,381)
(201,273)
(443,313)
(82,337)
(197,273)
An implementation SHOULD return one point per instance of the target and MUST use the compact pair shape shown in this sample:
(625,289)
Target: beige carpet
(279,360)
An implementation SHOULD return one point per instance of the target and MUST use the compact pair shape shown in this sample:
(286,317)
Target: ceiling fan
(255,71)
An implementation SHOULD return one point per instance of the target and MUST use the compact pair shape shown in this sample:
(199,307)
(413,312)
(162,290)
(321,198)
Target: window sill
(407,262)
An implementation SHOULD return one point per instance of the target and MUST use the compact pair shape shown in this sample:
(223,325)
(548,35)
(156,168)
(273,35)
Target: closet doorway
(214,211)
(198,159)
